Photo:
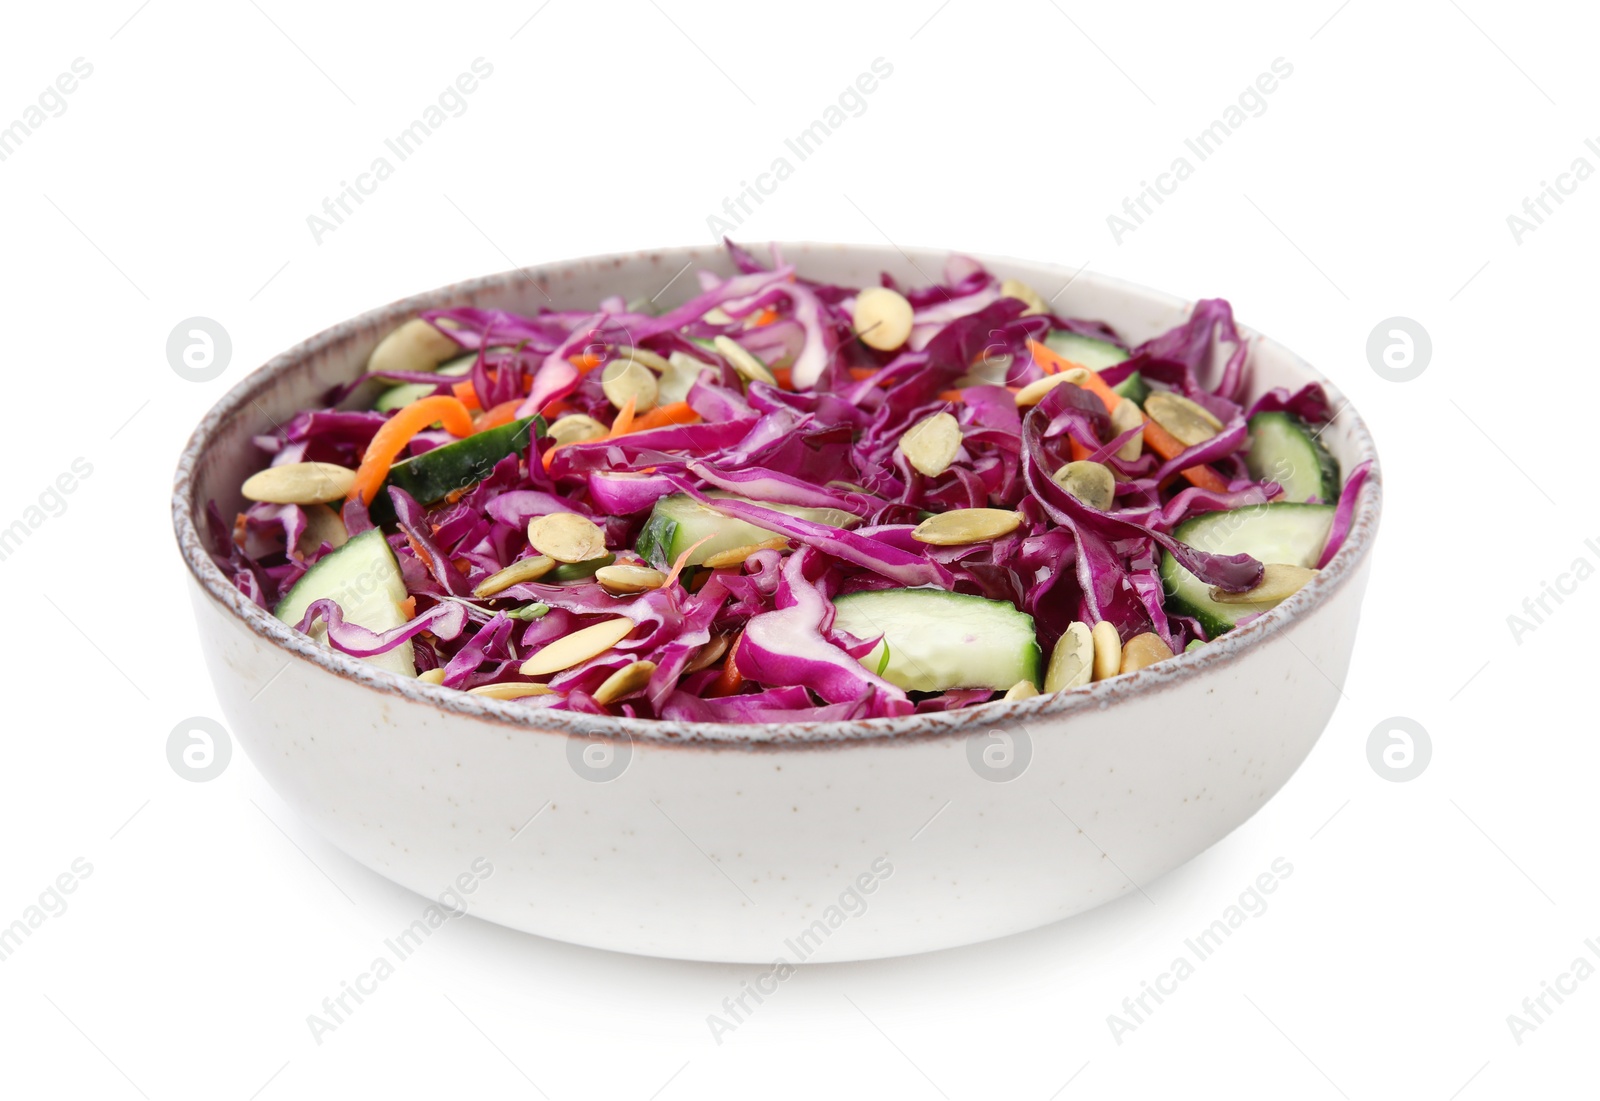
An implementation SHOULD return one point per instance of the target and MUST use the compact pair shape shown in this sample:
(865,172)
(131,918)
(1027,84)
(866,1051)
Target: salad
(788,501)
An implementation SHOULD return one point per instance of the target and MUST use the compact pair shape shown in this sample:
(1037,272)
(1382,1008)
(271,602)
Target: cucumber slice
(1085,351)
(434,475)
(939,640)
(1283,449)
(577,571)
(1290,533)
(408,392)
(679,522)
(363,577)
(1134,388)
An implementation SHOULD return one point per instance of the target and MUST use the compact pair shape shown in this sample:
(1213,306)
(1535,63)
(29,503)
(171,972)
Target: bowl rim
(961,722)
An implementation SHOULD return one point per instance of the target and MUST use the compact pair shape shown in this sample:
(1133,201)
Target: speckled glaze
(752,843)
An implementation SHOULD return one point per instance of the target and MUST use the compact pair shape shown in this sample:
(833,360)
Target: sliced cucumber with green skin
(1283,449)
(1134,388)
(1085,351)
(407,392)
(364,579)
(433,475)
(679,522)
(1284,532)
(577,571)
(939,640)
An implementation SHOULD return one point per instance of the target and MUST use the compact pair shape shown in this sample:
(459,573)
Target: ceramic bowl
(757,843)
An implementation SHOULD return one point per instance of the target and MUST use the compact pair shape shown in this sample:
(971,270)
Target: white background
(1377,183)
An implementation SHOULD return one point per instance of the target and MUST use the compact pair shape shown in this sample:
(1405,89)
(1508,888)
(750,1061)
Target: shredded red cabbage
(755,641)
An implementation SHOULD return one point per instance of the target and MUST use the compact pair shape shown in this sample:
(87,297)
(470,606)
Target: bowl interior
(221,455)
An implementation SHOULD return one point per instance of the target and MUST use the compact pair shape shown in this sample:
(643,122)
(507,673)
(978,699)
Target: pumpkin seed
(523,569)
(1142,650)
(415,346)
(647,357)
(431,676)
(1014,288)
(1022,690)
(966,525)
(932,443)
(1072,661)
(299,484)
(882,318)
(682,371)
(1188,421)
(567,537)
(323,525)
(625,380)
(576,428)
(735,556)
(1034,392)
(618,580)
(1278,582)
(709,654)
(624,682)
(742,361)
(576,648)
(511,691)
(1092,483)
(1107,650)
(1125,416)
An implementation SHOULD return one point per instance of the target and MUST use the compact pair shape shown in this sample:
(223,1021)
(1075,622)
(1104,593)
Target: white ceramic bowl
(801,842)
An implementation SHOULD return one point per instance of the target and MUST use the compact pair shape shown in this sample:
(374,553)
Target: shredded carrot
(466,394)
(861,374)
(624,422)
(1049,361)
(1168,446)
(556,409)
(784,376)
(392,437)
(1079,452)
(765,317)
(683,560)
(584,361)
(951,395)
(422,555)
(730,679)
(677,412)
(408,607)
(504,413)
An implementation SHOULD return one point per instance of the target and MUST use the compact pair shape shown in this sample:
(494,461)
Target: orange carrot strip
(861,374)
(1079,452)
(1050,362)
(1168,446)
(730,679)
(624,422)
(466,395)
(950,395)
(765,317)
(677,412)
(392,437)
(785,377)
(504,413)
(584,361)
(683,560)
